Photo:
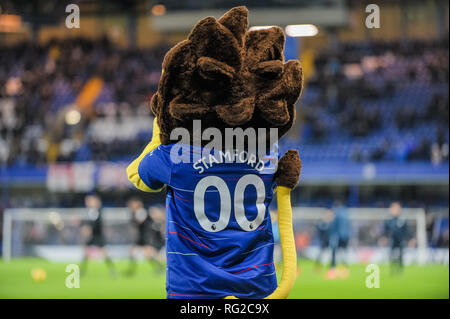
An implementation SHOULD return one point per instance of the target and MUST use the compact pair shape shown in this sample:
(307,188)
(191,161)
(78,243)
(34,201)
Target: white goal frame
(121,215)
(375,214)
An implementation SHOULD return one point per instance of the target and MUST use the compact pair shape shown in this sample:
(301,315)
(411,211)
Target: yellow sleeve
(132,169)
(287,244)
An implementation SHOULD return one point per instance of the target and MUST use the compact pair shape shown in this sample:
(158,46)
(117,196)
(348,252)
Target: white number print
(225,203)
(239,209)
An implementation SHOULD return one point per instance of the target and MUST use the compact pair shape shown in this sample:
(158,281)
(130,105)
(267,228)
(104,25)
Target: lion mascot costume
(218,227)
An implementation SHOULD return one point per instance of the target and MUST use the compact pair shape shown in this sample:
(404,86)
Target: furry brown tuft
(289,169)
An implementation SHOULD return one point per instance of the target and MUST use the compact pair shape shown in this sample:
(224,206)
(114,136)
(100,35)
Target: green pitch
(16,282)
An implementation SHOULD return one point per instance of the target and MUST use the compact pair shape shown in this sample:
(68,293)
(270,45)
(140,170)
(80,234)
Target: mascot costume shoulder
(218,227)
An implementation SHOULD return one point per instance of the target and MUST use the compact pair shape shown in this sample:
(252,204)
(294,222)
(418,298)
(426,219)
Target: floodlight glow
(260,27)
(159,10)
(301,30)
(73,117)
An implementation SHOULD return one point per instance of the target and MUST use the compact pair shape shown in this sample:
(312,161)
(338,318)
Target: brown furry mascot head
(227,76)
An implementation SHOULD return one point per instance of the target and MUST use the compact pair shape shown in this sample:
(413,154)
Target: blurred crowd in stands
(383,101)
(36,82)
(365,102)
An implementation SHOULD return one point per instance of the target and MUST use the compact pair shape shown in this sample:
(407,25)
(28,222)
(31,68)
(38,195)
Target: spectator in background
(149,237)
(339,239)
(323,230)
(421,151)
(158,235)
(406,117)
(381,152)
(440,149)
(395,229)
(142,222)
(94,229)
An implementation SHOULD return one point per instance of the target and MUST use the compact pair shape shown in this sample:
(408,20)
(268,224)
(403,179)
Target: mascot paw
(289,168)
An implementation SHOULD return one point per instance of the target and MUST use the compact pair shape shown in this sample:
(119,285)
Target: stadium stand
(364,103)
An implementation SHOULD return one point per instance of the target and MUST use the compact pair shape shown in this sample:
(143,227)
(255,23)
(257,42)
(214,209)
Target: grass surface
(16,282)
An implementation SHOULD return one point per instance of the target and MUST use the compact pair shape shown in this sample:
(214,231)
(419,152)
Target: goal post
(56,231)
(47,227)
(415,217)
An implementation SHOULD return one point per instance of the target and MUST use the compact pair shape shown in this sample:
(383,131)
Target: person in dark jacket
(339,239)
(94,228)
(396,230)
(148,235)
(323,229)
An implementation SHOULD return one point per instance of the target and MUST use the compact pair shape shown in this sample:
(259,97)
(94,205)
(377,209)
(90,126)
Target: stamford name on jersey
(228,156)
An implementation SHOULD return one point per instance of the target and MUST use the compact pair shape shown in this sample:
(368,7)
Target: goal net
(367,243)
(54,233)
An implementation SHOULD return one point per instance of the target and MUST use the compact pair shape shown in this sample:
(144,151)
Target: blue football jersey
(218,228)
